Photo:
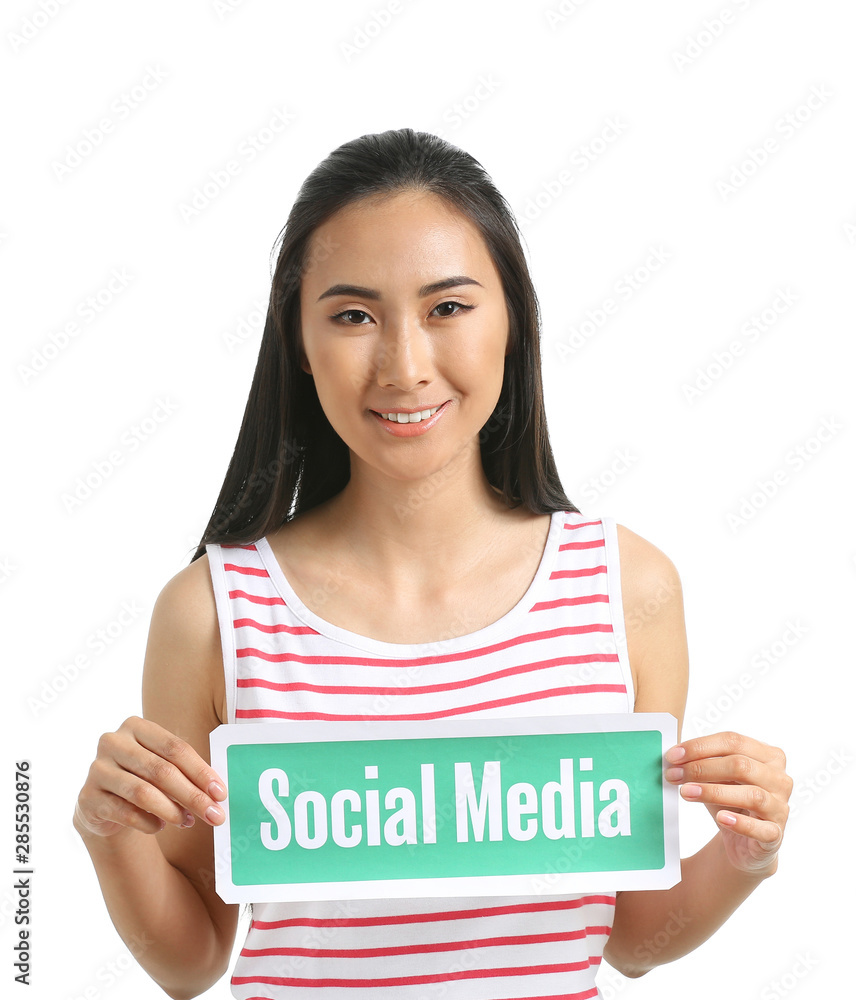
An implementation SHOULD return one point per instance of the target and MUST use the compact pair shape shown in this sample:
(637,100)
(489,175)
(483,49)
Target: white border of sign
(480,885)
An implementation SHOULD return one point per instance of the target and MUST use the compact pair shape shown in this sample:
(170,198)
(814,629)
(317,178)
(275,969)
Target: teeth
(410,418)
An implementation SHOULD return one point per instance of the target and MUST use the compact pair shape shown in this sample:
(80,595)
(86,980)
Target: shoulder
(652,596)
(183,653)
(646,571)
(185,607)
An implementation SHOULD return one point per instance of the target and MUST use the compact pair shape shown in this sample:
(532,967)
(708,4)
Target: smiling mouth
(408,418)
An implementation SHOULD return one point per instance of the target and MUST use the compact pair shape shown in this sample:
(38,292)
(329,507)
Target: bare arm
(655,927)
(150,779)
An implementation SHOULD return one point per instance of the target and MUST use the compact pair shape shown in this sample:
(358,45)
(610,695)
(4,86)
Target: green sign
(552,804)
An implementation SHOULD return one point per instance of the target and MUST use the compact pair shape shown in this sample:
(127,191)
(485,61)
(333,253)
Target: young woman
(392,541)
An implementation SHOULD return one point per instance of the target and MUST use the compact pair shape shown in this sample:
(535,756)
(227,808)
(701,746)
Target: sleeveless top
(560,651)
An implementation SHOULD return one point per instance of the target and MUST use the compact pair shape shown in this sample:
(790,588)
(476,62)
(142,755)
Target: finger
(112,811)
(129,786)
(736,768)
(156,785)
(723,744)
(165,790)
(765,832)
(756,800)
(180,753)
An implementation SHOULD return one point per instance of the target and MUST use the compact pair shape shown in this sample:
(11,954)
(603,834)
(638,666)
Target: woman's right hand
(144,777)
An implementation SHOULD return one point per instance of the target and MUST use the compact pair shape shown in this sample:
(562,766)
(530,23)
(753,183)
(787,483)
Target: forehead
(413,231)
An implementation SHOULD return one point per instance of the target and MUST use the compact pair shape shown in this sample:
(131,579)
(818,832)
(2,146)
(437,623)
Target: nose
(403,358)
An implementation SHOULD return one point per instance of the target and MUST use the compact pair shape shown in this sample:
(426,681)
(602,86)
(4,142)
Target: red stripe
(250,548)
(567,602)
(522,668)
(581,524)
(425,948)
(562,574)
(248,570)
(519,699)
(271,629)
(587,995)
(441,977)
(598,543)
(464,654)
(261,682)
(542,906)
(255,598)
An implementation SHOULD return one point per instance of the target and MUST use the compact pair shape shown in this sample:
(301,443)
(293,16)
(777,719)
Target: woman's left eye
(459,305)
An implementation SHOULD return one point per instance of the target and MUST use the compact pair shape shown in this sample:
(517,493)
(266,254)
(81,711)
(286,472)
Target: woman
(393,496)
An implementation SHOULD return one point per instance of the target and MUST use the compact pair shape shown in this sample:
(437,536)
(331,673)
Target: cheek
(479,360)
(340,373)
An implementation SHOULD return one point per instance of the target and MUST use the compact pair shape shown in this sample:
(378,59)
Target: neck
(401,531)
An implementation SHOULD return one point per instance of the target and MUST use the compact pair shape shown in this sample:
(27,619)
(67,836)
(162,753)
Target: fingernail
(692,791)
(675,754)
(216,790)
(675,773)
(213,814)
(189,820)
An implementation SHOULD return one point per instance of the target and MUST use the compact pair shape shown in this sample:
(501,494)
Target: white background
(532,94)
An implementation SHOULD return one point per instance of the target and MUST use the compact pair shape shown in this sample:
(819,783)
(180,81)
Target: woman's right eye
(349,313)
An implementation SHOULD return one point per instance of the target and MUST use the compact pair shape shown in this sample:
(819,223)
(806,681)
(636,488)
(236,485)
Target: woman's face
(381,335)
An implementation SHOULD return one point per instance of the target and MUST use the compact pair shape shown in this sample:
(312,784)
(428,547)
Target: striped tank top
(560,651)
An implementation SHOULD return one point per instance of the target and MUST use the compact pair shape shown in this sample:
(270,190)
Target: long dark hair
(288,458)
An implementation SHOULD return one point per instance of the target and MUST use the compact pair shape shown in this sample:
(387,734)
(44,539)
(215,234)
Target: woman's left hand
(745,787)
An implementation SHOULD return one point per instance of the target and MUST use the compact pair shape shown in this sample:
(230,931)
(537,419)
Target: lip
(410,430)
(416,409)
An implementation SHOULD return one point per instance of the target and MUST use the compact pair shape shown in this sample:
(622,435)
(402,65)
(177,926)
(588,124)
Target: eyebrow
(371,293)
